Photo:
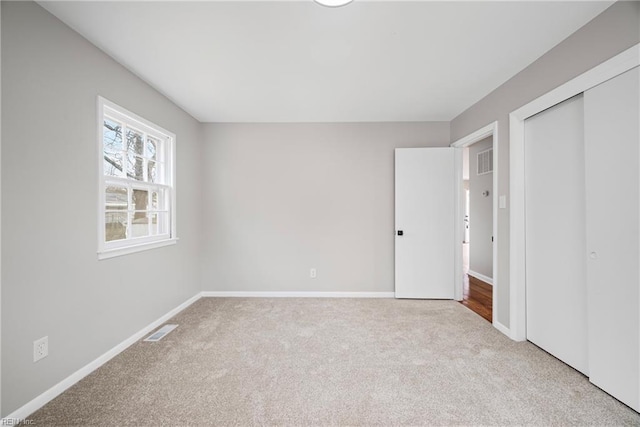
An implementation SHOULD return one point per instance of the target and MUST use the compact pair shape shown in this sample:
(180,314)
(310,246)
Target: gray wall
(613,31)
(52,282)
(480,213)
(282,198)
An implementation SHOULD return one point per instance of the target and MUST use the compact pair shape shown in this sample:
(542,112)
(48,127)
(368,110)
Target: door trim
(489,130)
(609,69)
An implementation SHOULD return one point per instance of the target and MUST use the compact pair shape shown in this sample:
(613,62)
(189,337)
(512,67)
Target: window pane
(135,167)
(161,200)
(116,198)
(140,225)
(154,201)
(152,171)
(112,164)
(112,136)
(135,142)
(152,147)
(115,226)
(112,147)
(140,199)
(153,218)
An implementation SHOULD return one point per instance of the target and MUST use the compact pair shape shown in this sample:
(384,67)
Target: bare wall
(283,198)
(52,282)
(613,31)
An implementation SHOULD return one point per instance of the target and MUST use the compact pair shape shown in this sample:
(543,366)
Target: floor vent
(160,333)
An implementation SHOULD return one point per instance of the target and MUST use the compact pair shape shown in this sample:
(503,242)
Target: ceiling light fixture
(333,3)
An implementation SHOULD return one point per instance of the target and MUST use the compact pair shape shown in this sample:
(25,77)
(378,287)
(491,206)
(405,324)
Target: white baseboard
(37,403)
(482,277)
(499,326)
(297,294)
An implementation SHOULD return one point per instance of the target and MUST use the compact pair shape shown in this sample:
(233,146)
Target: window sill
(112,253)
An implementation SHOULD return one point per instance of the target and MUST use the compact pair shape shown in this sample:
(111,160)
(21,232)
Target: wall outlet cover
(40,348)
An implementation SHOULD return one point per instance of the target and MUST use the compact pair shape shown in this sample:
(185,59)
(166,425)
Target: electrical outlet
(313,273)
(40,348)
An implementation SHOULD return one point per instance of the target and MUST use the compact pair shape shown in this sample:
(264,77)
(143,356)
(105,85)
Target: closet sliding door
(582,222)
(612,161)
(556,291)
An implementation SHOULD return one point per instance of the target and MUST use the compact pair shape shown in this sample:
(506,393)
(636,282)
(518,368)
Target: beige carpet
(245,361)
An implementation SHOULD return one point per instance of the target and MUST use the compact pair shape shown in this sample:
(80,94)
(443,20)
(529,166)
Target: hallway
(477,295)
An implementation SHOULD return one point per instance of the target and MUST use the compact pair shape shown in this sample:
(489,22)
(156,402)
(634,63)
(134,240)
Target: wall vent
(485,161)
(160,333)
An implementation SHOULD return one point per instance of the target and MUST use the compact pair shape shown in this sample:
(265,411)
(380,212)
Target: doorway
(476,284)
(477,246)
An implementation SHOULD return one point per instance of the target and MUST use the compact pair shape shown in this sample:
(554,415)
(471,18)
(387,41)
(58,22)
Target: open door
(426,191)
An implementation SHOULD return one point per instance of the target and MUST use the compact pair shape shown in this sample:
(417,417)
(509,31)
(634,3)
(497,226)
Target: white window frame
(130,245)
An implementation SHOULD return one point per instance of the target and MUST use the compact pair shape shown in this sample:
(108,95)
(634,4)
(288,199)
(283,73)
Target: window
(137,191)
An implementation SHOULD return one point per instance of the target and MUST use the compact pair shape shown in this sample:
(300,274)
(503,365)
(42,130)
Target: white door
(426,192)
(612,132)
(555,228)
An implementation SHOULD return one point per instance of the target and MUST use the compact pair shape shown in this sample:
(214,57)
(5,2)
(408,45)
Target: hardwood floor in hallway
(477,295)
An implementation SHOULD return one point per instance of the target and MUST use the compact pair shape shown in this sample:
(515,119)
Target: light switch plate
(502,202)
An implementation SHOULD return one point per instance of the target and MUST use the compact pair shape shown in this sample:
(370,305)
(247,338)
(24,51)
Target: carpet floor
(249,361)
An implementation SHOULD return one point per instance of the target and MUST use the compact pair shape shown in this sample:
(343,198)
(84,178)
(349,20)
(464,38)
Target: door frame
(489,130)
(609,69)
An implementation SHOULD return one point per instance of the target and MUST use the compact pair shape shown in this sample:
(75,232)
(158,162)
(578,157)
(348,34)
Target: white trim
(482,277)
(125,250)
(148,126)
(489,130)
(609,69)
(295,294)
(499,326)
(601,73)
(496,212)
(476,136)
(458,233)
(46,397)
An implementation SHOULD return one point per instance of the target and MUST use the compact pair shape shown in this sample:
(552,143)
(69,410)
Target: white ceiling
(296,61)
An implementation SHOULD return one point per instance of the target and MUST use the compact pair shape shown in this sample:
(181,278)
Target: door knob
(400,232)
